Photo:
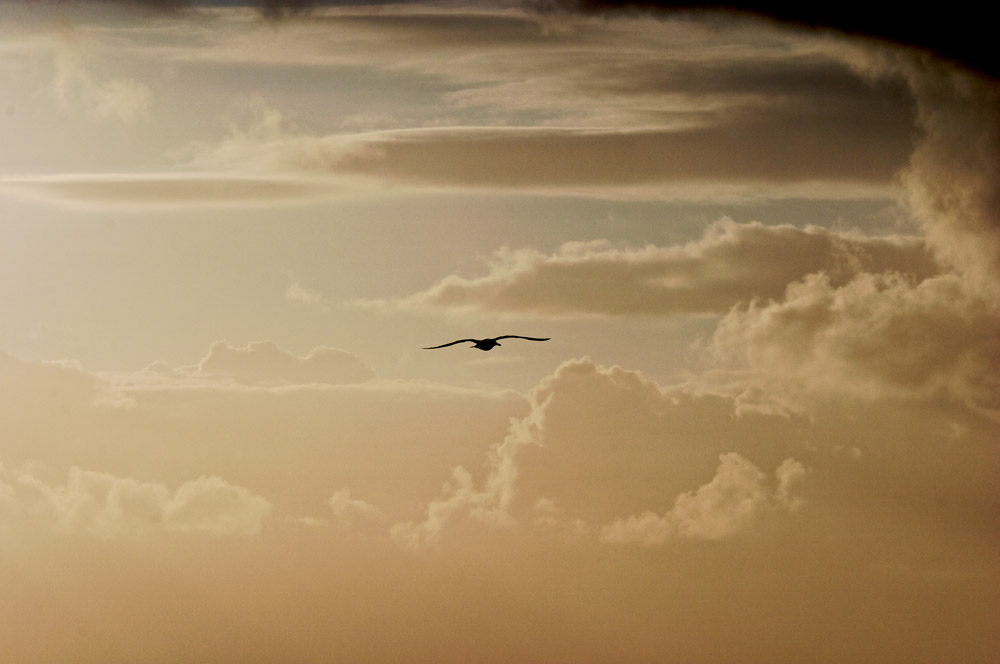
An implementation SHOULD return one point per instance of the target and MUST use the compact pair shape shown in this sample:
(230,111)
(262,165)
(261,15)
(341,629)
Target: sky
(765,427)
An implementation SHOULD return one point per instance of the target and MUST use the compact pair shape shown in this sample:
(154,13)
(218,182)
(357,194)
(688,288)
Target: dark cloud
(778,148)
(960,32)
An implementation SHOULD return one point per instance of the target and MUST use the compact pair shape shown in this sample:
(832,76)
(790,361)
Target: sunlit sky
(765,427)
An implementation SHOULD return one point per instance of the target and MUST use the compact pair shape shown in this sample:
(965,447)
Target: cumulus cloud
(953,178)
(731,263)
(600,443)
(877,335)
(882,334)
(729,504)
(107,505)
(264,363)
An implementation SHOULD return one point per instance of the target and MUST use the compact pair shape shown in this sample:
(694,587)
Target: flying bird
(487,344)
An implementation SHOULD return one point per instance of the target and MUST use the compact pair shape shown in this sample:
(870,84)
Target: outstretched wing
(518,336)
(450,344)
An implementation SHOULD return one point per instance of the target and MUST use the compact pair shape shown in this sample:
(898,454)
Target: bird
(487,344)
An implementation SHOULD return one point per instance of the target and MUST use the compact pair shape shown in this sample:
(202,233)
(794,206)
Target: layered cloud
(165,189)
(550,159)
(731,263)
(551,102)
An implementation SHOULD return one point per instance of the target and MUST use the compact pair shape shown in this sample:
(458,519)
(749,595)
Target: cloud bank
(731,263)
(108,506)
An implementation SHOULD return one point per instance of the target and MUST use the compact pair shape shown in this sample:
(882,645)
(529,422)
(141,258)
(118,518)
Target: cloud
(166,190)
(263,362)
(954,35)
(585,119)
(75,89)
(293,427)
(353,514)
(953,178)
(554,159)
(105,505)
(600,443)
(883,334)
(62,385)
(899,500)
(729,504)
(878,335)
(461,502)
(731,263)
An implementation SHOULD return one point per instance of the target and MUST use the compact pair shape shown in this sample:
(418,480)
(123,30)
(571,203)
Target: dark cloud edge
(962,34)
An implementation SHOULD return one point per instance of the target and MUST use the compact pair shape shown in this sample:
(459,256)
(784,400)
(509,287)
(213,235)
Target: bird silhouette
(487,344)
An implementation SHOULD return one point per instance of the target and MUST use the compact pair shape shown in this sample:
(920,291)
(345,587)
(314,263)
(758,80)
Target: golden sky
(765,428)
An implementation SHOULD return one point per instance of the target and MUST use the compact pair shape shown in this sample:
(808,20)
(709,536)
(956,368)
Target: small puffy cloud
(461,502)
(296,292)
(210,505)
(352,513)
(729,504)
(75,88)
(264,362)
(107,505)
(731,263)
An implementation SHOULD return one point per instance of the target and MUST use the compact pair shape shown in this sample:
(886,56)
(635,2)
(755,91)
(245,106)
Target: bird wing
(518,336)
(450,344)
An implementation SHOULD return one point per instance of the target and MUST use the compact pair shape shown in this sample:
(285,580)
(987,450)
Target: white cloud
(212,506)
(601,442)
(107,505)
(877,335)
(729,504)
